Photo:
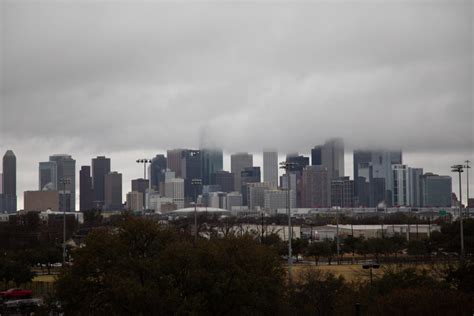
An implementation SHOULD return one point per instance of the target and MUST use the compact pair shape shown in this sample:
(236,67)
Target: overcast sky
(130,79)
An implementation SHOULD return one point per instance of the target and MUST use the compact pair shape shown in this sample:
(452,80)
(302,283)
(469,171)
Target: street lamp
(370,267)
(289,166)
(64,182)
(196,183)
(467,167)
(459,170)
(144,162)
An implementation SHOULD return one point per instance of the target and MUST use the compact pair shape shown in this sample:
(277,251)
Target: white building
(275,199)
(401,185)
(233,201)
(174,189)
(270,166)
(256,193)
(135,201)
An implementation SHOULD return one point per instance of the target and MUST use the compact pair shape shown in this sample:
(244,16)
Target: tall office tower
(191,169)
(317,155)
(401,186)
(238,162)
(316,187)
(157,167)
(9,183)
(248,175)
(291,180)
(381,168)
(47,176)
(135,201)
(100,168)
(331,156)
(66,169)
(299,163)
(361,157)
(174,188)
(342,192)
(85,189)
(1,183)
(140,185)
(173,161)
(224,179)
(414,178)
(113,191)
(211,162)
(256,193)
(436,190)
(270,166)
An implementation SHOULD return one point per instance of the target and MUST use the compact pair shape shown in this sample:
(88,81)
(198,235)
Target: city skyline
(130,170)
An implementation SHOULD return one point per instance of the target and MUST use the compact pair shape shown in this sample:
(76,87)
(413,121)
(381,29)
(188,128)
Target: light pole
(144,162)
(467,167)
(337,233)
(288,166)
(64,182)
(196,183)
(459,170)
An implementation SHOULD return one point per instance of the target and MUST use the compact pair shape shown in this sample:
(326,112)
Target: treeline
(141,268)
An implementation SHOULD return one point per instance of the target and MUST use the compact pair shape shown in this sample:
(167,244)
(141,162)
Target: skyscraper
(140,185)
(174,188)
(332,157)
(248,175)
(100,168)
(414,177)
(316,155)
(270,166)
(238,162)
(342,192)
(66,169)
(8,204)
(173,157)
(436,190)
(401,186)
(211,162)
(85,189)
(113,191)
(316,187)
(157,168)
(47,176)
(224,179)
(190,169)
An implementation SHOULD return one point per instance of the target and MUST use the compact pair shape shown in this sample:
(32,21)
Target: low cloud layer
(122,78)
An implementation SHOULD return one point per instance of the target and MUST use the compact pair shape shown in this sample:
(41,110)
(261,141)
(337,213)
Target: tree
(14,271)
(143,269)
(298,247)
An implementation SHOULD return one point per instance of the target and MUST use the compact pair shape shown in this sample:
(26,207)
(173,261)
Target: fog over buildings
(130,80)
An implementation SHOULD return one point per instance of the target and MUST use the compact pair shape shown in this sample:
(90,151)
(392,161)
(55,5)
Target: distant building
(342,192)
(316,187)
(190,170)
(233,200)
(100,168)
(41,201)
(140,185)
(47,176)
(277,199)
(238,162)
(157,167)
(270,166)
(135,201)
(298,164)
(224,179)
(401,186)
(331,156)
(113,191)
(256,194)
(436,190)
(66,169)
(211,162)
(85,189)
(292,185)
(414,178)
(173,157)
(248,175)
(8,197)
(174,188)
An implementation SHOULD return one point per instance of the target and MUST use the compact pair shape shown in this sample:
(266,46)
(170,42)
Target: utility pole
(64,182)
(459,170)
(288,166)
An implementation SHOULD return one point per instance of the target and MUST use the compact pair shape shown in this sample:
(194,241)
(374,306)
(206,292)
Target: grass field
(44,278)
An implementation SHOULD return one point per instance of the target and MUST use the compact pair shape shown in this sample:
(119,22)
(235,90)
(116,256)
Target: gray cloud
(127,77)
